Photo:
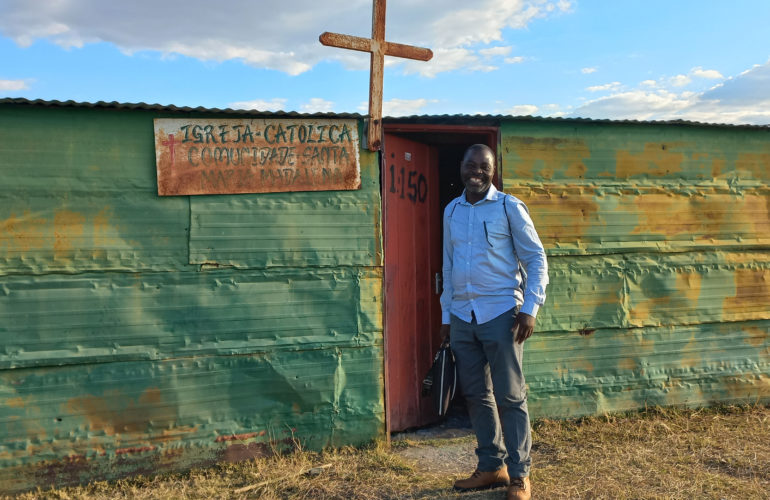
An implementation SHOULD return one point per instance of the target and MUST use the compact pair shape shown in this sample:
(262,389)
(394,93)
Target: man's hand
(444,332)
(523,326)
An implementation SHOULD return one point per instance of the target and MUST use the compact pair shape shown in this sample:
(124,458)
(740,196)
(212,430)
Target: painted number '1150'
(412,184)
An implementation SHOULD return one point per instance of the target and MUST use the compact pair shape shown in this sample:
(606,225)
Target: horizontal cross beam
(368,45)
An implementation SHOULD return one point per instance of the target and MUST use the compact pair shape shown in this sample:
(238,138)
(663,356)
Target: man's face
(477,170)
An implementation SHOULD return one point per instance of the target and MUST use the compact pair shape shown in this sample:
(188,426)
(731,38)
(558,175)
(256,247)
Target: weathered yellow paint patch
(752,294)
(23,233)
(627,364)
(755,164)
(68,226)
(545,157)
(691,357)
(655,160)
(641,314)
(689,285)
(15,402)
(756,208)
(106,234)
(581,365)
(750,388)
(717,167)
(756,337)
(561,216)
(705,217)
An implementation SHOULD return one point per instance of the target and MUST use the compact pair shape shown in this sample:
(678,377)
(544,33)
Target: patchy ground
(713,453)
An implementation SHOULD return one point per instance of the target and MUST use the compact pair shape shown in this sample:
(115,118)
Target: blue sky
(702,60)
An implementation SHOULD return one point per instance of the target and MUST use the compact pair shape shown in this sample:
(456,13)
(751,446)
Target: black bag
(441,379)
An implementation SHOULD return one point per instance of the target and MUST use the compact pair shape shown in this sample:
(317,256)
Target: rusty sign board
(230,156)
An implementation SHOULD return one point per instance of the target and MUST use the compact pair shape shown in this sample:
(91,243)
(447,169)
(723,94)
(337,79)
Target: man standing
(488,314)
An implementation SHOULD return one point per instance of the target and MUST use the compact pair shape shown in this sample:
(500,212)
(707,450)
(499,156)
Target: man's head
(477,170)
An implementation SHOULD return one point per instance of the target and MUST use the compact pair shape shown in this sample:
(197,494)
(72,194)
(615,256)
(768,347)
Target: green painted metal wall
(658,238)
(141,333)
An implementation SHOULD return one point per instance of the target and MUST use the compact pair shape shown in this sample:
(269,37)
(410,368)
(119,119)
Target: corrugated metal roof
(487,118)
(445,118)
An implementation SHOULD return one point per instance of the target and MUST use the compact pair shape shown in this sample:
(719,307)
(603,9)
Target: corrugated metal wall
(658,239)
(142,333)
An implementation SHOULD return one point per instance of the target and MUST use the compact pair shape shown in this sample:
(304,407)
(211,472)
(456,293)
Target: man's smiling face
(476,172)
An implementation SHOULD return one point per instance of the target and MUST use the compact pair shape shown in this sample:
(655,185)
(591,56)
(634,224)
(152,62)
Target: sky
(699,60)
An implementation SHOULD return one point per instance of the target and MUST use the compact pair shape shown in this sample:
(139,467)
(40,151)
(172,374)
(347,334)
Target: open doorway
(420,176)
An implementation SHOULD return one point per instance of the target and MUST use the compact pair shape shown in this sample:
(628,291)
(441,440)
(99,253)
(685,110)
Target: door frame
(422,132)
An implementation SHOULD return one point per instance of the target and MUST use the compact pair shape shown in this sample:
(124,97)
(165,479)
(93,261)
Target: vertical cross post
(379,48)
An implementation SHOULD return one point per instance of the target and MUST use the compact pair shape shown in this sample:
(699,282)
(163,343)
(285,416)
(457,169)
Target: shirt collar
(492,195)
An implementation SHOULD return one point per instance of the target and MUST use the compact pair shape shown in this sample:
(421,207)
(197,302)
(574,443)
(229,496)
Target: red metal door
(413,256)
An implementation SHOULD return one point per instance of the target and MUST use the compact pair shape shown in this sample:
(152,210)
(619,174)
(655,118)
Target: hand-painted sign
(256,155)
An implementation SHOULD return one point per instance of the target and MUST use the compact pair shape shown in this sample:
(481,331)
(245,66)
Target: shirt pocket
(497,234)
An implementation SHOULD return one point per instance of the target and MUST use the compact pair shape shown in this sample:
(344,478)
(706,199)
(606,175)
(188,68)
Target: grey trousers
(489,364)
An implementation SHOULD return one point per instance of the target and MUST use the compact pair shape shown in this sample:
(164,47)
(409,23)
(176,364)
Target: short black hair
(480,147)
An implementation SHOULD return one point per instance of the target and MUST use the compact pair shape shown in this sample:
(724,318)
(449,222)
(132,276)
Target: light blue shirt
(481,270)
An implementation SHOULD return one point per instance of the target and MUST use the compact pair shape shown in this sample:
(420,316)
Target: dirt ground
(454,457)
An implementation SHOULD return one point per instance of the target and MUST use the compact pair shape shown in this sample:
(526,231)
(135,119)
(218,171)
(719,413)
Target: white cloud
(495,51)
(13,85)
(606,86)
(522,109)
(741,99)
(633,105)
(514,60)
(404,107)
(448,60)
(281,36)
(649,83)
(277,104)
(680,80)
(588,71)
(710,74)
(318,105)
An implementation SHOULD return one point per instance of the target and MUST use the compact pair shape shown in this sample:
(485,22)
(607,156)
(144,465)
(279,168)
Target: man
(488,238)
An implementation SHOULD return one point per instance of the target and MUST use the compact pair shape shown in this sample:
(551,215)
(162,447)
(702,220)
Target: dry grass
(662,453)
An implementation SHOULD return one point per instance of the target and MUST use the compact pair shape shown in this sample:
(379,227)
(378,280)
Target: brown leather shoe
(519,489)
(481,480)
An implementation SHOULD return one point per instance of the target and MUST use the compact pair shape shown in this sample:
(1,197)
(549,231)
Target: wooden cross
(378,48)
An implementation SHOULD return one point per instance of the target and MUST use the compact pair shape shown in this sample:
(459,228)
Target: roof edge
(389,119)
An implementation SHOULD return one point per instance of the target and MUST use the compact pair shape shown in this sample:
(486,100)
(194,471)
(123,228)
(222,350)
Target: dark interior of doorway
(450,146)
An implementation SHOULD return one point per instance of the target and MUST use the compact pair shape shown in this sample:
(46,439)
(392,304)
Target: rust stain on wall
(655,160)
(23,233)
(239,437)
(105,233)
(68,227)
(547,156)
(115,413)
